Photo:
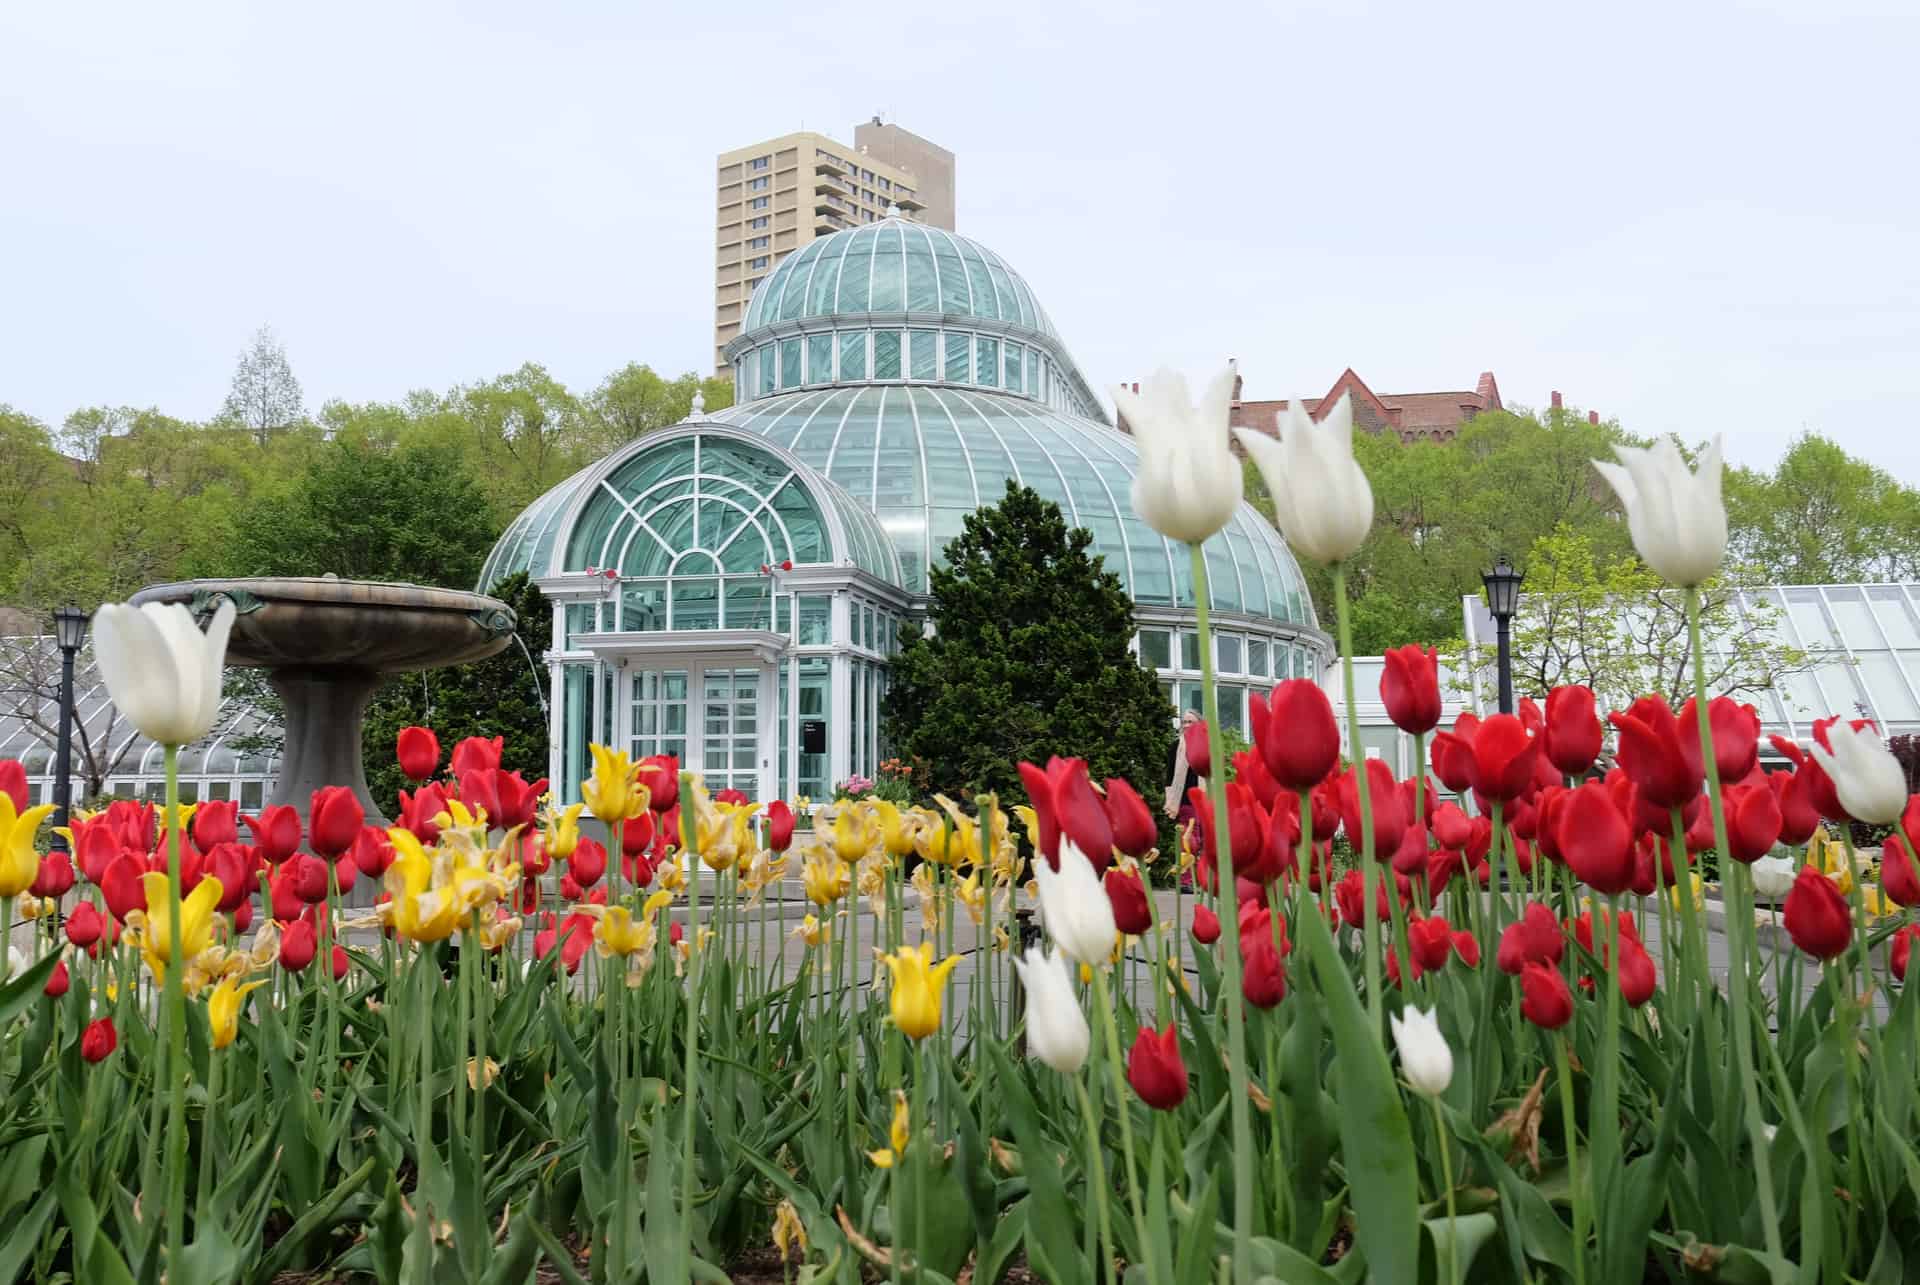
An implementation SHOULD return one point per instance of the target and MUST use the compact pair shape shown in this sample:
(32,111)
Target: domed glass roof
(923,457)
(895,267)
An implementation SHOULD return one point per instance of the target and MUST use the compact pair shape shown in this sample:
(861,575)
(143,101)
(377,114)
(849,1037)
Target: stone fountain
(327,644)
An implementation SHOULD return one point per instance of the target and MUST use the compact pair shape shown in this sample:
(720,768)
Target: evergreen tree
(1028,656)
(499,696)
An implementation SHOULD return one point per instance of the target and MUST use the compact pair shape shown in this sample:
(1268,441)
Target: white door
(709,715)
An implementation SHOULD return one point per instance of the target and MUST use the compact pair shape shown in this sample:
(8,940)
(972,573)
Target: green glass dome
(922,458)
(896,267)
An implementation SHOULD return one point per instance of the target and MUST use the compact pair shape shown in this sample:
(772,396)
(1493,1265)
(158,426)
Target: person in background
(1180,777)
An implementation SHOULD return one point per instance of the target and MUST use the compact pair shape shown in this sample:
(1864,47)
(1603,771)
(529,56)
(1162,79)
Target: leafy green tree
(1823,516)
(264,397)
(1027,656)
(413,514)
(635,400)
(499,696)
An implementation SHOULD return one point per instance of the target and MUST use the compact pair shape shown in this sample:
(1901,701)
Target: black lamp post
(1503,592)
(70,631)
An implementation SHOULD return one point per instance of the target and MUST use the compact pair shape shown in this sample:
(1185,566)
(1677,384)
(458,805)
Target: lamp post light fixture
(70,632)
(1503,594)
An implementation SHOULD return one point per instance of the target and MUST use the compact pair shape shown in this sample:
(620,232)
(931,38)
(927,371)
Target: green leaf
(1052,1222)
(1467,1233)
(1376,1142)
(23,990)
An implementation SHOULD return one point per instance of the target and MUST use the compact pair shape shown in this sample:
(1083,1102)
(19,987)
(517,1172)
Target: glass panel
(826,276)
(1229,654)
(1803,605)
(579,621)
(886,354)
(252,795)
(1189,649)
(789,363)
(889,292)
(1896,617)
(816,620)
(696,603)
(959,357)
(987,360)
(1257,657)
(1156,650)
(1892,701)
(749,602)
(923,288)
(854,269)
(819,359)
(1233,708)
(643,605)
(221,790)
(804,526)
(815,688)
(1016,377)
(853,355)
(768,375)
(925,360)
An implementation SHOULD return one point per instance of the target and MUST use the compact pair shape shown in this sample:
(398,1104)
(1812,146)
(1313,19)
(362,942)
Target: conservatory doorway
(709,715)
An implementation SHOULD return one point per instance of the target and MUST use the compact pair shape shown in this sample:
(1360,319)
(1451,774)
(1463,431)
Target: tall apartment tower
(774,197)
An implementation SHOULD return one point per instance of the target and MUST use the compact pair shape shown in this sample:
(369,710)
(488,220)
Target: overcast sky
(1693,217)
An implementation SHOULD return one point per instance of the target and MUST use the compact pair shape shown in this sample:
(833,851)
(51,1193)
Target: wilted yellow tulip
(897,829)
(811,931)
(917,984)
(852,832)
(223,1009)
(825,876)
(614,792)
(899,1134)
(563,832)
(617,933)
(789,1236)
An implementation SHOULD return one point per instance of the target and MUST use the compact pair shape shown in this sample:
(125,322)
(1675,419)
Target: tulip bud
(1650,753)
(1134,831)
(1544,998)
(1132,912)
(476,754)
(1736,737)
(780,820)
(1429,942)
(85,925)
(1425,1059)
(1503,757)
(54,877)
(216,821)
(57,981)
(341,963)
(13,783)
(588,863)
(1057,1031)
(1302,744)
(99,1040)
(1193,737)
(660,773)
(372,851)
(1897,875)
(162,672)
(1902,948)
(309,875)
(418,751)
(1595,840)
(276,832)
(1410,688)
(297,945)
(1572,731)
(1816,915)
(1155,1068)
(1263,977)
(1753,821)
(1206,926)
(1064,803)
(1635,974)
(1534,938)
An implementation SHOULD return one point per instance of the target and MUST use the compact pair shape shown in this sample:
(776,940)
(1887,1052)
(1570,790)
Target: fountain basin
(327,644)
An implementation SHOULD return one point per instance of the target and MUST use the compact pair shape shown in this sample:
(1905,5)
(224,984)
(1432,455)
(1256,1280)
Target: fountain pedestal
(327,644)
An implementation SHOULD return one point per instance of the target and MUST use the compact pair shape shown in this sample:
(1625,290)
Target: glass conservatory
(731,589)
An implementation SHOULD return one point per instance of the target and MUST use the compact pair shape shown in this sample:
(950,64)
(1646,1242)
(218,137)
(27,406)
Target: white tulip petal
(137,666)
(1188,483)
(1074,907)
(1057,1031)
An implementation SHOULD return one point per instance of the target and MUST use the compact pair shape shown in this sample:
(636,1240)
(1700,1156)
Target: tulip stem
(176,1001)
(1123,1108)
(690,840)
(1097,1170)
(1573,1168)
(1739,890)
(1446,1175)
(1357,757)
(1230,921)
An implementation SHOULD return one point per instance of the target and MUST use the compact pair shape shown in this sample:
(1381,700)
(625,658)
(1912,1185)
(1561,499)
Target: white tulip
(162,672)
(17,962)
(1676,517)
(1773,877)
(1074,907)
(1189,482)
(1425,1059)
(1321,500)
(1866,776)
(1056,1028)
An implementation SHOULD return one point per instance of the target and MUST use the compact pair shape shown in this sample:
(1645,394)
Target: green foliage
(1027,657)
(1823,517)
(499,696)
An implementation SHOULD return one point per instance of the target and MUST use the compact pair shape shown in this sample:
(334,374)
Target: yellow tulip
(825,877)
(852,833)
(896,830)
(496,933)
(789,1235)
(618,934)
(656,903)
(223,1009)
(917,983)
(155,930)
(972,896)
(37,907)
(811,931)
(1697,891)
(563,832)
(420,911)
(949,845)
(899,1134)
(614,792)
(19,860)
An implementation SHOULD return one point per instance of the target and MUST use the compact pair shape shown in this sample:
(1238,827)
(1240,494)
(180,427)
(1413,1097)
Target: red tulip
(85,925)
(334,820)
(1467,946)
(1903,940)
(1816,915)
(588,862)
(1064,801)
(1753,821)
(57,981)
(1910,823)
(243,914)
(1155,1069)
(479,790)
(1131,912)
(1897,876)
(1134,831)
(516,799)
(95,845)
(297,945)
(1544,998)
(1324,805)
(1594,839)
(1736,737)
(1443,865)
(1410,858)
(1451,826)
(136,825)
(283,895)
(215,822)
(1199,750)
(1383,800)
(1301,745)
(122,887)
(235,866)
(1246,831)
(54,877)
(418,750)
(373,851)
(1452,753)
(1503,758)
(476,754)
(1349,897)
(1572,733)
(1429,942)
(13,783)
(345,874)
(660,773)
(276,832)
(1811,781)
(99,1040)
(1263,978)
(779,826)
(1206,926)
(309,877)
(1635,973)
(1651,755)
(1251,771)
(341,963)
(1534,938)
(1410,688)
